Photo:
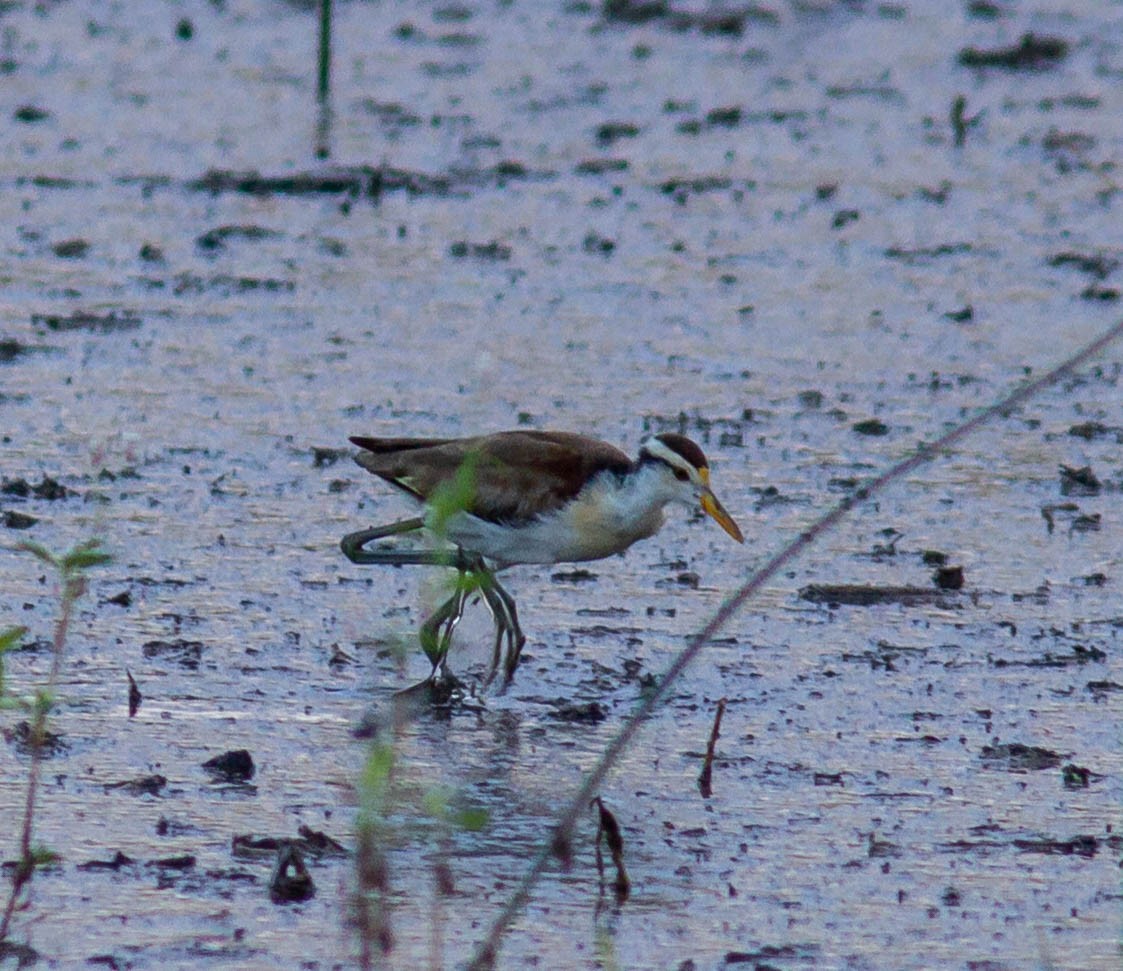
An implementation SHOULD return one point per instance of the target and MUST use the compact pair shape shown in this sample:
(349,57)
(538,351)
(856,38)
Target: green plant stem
(323,79)
(72,588)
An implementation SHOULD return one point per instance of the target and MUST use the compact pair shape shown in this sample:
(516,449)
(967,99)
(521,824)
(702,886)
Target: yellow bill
(716,511)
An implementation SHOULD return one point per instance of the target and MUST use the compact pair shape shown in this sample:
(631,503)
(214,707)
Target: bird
(524,497)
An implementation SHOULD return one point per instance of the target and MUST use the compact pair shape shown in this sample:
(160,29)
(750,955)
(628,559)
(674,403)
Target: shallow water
(762,279)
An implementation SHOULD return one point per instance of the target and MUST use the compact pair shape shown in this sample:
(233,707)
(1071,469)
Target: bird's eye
(682,475)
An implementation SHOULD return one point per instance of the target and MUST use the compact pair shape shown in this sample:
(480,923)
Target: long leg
(495,605)
(503,610)
(515,636)
(435,641)
(352,544)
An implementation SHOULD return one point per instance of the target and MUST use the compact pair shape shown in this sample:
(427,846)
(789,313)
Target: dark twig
(608,830)
(135,697)
(705,777)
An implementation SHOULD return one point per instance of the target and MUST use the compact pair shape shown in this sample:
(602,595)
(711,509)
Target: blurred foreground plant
(437,812)
(71,567)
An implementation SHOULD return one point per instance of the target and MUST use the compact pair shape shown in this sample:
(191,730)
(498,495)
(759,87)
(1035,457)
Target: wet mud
(808,235)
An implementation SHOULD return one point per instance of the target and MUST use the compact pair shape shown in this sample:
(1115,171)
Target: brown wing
(515,475)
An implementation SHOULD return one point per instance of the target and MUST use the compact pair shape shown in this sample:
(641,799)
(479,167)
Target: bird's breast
(592,526)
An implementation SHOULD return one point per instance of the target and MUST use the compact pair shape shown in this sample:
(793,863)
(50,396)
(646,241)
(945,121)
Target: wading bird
(524,497)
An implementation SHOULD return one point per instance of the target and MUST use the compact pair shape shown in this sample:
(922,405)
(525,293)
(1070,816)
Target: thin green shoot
(71,567)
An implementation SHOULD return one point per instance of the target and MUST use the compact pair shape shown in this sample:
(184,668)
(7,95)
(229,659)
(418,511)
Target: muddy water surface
(755,228)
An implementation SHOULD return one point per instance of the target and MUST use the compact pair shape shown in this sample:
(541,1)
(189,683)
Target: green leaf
(37,549)
(8,639)
(471,820)
(14,704)
(42,702)
(85,555)
(454,496)
(43,855)
(375,780)
(435,802)
(11,637)
(438,803)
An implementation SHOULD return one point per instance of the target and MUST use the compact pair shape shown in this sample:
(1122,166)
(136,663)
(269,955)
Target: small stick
(609,829)
(135,696)
(706,775)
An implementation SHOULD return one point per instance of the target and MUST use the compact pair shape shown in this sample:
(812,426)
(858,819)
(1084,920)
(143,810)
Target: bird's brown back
(514,476)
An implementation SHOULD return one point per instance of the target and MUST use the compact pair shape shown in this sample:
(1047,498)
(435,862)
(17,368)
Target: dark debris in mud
(1090,430)
(1099,265)
(48,745)
(323,456)
(363,181)
(1076,776)
(30,114)
(1098,293)
(871,426)
(1080,655)
(1016,757)
(71,249)
(586,713)
(492,250)
(1079,481)
(681,188)
(1101,689)
(110,323)
(12,349)
(600,166)
(120,861)
(725,432)
(218,239)
(1084,845)
(923,254)
(761,958)
(949,577)
(192,284)
(291,882)
(12,519)
(728,21)
(862,595)
(116,862)
(1050,512)
(884,656)
(187,654)
(577,575)
(1030,53)
(145,785)
(47,488)
(311,843)
(233,766)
